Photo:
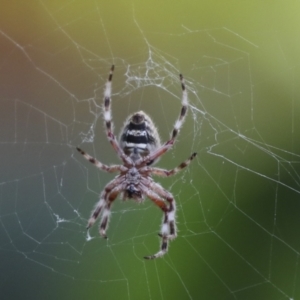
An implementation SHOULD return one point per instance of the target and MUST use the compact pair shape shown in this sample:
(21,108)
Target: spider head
(139,136)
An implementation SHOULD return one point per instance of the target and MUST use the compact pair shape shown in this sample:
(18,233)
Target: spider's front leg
(148,160)
(108,119)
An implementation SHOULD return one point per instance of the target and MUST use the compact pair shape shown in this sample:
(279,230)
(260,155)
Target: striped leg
(107,102)
(166,173)
(168,229)
(182,115)
(106,211)
(100,165)
(107,196)
(164,148)
(108,118)
(97,210)
(164,229)
(171,232)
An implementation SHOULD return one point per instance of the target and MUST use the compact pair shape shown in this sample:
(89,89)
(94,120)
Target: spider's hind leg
(97,210)
(169,224)
(107,196)
(106,211)
(168,229)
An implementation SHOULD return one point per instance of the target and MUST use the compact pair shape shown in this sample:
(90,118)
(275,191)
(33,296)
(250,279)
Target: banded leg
(168,229)
(182,115)
(164,148)
(108,118)
(97,210)
(100,165)
(171,210)
(107,102)
(104,196)
(166,173)
(106,211)
(164,229)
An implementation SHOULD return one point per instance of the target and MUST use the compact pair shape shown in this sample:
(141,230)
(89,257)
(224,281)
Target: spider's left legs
(108,118)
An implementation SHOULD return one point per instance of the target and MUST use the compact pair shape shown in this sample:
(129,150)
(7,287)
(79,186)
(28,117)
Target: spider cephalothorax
(138,148)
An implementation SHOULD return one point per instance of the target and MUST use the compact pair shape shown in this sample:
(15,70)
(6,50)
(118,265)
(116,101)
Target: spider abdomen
(139,136)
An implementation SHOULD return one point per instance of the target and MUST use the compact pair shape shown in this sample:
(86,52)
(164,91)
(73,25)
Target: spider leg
(107,101)
(182,115)
(168,229)
(171,210)
(108,119)
(98,208)
(164,230)
(163,250)
(100,165)
(168,145)
(102,203)
(166,173)
(106,211)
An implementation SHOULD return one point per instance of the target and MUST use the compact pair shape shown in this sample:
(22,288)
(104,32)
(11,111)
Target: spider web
(239,200)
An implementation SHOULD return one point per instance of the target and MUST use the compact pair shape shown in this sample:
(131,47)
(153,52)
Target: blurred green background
(238,202)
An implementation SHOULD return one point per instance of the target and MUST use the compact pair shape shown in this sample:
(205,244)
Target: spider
(139,147)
